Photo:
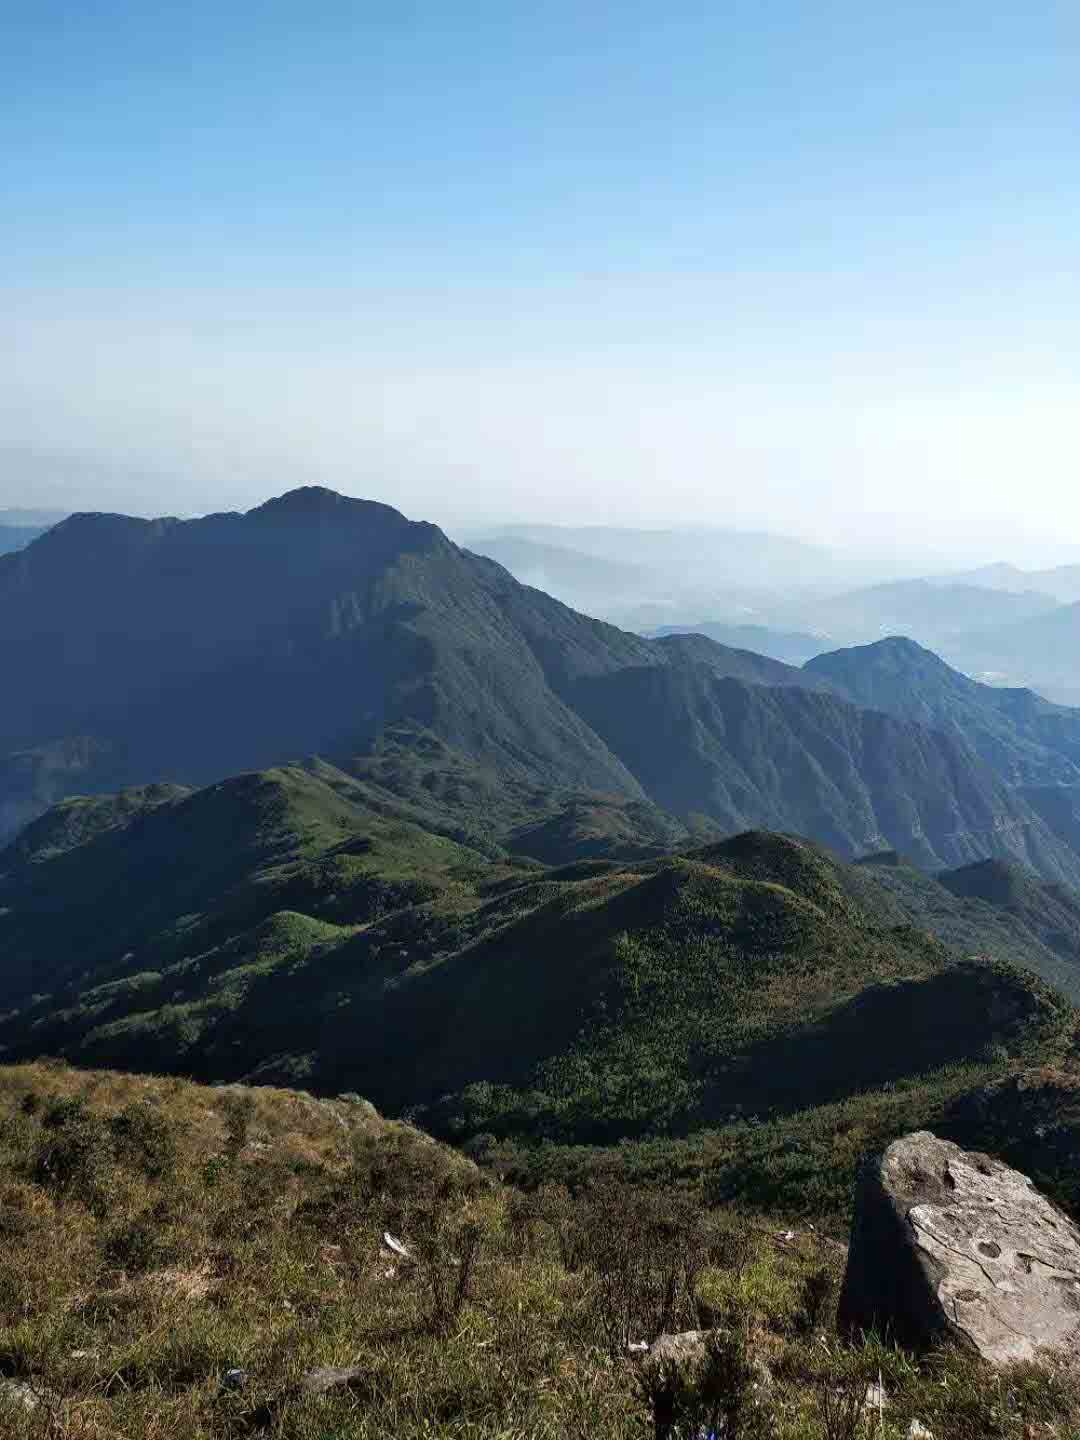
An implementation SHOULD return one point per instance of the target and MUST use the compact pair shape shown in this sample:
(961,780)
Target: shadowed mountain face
(195,649)
(1026,739)
(1030,743)
(143,652)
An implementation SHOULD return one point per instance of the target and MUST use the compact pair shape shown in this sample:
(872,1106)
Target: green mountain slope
(180,652)
(269,928)
(1026,739)
(117,887)
(989,908)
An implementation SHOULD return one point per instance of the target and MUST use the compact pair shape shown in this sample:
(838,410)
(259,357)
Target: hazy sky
(809,267)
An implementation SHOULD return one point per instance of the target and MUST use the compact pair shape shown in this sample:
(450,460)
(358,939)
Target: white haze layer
(479,409)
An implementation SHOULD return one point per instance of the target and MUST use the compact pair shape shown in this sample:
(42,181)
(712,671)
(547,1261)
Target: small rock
(23,1395)
(918,1431)
(877,1396)
(330,1377)
(395,1245)
(682,1354)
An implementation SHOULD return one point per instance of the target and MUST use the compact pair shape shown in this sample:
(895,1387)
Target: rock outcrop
(948,1244)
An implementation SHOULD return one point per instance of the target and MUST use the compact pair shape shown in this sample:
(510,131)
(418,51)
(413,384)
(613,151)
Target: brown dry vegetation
(156,1235)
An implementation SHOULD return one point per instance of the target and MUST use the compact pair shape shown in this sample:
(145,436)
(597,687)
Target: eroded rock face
(950,1244)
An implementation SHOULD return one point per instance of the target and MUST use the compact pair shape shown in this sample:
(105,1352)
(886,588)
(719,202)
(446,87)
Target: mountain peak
(318,500)
(860,669)
(889,647)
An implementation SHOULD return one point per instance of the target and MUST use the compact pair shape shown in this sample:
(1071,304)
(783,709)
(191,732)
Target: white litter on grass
(395,1245)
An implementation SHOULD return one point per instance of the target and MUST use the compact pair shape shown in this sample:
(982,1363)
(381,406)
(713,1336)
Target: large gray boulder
(952,1245)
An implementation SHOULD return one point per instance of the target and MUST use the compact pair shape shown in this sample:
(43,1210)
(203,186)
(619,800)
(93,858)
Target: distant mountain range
(793,647)
(15,537)
(172,651)
(927,610)
(1062,582)
(32,519)
(791,601)
(703,556)
(342,805)
(19,527)
(1043,650)
(590,582)
(1024,738)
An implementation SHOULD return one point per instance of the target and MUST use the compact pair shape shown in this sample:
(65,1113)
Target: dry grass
(216,1230)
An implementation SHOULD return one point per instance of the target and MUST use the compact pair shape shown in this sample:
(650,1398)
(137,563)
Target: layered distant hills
(312,794)
(179,652)
(1060,581)
(792,601)
(793,647)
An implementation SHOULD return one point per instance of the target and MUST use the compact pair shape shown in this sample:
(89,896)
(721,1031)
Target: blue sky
(755,263)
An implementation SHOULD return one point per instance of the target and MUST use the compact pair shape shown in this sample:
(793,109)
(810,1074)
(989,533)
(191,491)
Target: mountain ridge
(269,927)
(182,651)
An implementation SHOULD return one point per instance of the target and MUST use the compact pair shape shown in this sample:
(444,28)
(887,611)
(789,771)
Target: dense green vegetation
(750,1010)
(990,908)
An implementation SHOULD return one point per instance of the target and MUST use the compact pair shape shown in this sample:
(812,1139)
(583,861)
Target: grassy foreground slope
(178,1261)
